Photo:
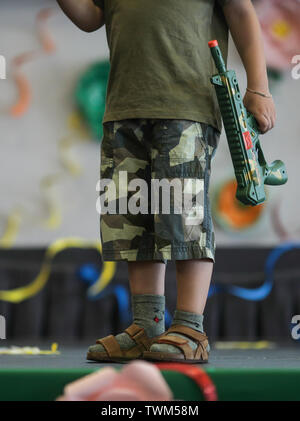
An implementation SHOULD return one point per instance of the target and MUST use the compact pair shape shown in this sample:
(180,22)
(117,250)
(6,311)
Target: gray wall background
(29,145)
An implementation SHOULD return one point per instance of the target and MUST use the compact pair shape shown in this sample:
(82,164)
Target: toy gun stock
(250,167)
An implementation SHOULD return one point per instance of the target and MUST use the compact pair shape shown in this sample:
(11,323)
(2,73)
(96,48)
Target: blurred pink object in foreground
(137,381)
(279,20)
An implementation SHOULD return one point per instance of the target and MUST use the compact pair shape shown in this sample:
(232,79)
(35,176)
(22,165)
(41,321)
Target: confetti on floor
(28,350)
(245,345)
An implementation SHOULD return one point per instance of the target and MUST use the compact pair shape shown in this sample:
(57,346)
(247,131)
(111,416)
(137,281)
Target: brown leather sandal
(113,351)
(187,355)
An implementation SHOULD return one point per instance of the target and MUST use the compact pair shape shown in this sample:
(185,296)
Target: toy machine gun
(251,169)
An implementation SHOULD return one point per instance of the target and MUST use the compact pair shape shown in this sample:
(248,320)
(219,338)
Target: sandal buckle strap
(194,335)
(111,346)
(139,336)
(172,340)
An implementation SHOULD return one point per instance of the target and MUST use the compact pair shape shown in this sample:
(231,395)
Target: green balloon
(90,95)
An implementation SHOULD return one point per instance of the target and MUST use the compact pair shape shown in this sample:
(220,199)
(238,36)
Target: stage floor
(75,357)
(250,374)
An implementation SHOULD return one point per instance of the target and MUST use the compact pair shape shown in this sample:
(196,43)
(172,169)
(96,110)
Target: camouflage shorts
(157,149)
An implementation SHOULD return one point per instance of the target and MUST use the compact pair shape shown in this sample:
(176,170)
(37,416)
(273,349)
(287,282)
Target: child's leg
(147,277)
(146,281)
(147,284)
(193,281)
(131,237)
(185,151)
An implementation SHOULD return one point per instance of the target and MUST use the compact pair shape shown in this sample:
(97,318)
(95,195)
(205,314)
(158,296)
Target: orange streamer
(22,83)
(24,95)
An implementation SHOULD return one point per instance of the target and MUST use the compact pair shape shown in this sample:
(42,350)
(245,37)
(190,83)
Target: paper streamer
(77,133)
(262,292)
(13,222)
(12,228)
(22,83)
(18,295)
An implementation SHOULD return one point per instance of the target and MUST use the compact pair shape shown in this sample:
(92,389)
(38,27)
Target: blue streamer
(260,293)
(168,319)
(89,273)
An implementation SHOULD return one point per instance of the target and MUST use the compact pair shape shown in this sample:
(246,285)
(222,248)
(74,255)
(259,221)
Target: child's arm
(246,33)
(83,13)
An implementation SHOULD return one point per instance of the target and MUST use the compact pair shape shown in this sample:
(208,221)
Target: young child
(162,122)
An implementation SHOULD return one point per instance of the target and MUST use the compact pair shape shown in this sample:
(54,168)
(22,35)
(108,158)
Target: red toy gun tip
(213,43)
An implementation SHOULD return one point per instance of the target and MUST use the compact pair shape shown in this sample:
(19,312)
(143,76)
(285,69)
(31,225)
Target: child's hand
(263,110)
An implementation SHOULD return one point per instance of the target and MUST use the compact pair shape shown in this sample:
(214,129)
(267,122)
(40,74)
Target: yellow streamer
(75,124)
(78,133)
(55,216)
(18,295)
(68,163)
(12,228)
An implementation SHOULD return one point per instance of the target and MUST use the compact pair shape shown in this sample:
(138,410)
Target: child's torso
(159,54)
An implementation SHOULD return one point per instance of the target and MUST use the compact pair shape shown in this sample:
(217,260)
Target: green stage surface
(269,374)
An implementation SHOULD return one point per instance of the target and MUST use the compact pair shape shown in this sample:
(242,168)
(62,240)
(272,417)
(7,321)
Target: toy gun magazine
(250,167)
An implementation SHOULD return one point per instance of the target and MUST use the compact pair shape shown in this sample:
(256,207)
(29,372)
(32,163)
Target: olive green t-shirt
(160,63)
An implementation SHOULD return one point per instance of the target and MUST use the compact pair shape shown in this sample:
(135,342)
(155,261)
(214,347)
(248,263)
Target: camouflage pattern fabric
(157,151)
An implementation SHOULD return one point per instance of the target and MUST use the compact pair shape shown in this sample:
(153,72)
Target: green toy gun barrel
(217,56)
(250,167)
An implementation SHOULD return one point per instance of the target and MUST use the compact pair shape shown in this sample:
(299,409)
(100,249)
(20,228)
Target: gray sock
(148,312)
(192,320)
